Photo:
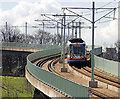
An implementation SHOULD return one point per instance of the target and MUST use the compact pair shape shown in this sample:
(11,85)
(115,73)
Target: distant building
(119,53)
(111,50)
(111,54)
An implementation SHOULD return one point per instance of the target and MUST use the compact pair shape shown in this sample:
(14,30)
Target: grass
(16,87)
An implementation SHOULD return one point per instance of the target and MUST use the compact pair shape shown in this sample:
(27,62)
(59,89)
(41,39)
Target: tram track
(103,75)
(49,62)
(41,62)
(96,92)
(100,95)
(54,59)
(102,78)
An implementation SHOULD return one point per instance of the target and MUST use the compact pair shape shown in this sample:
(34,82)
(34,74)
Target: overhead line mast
(93,21)
(92,83)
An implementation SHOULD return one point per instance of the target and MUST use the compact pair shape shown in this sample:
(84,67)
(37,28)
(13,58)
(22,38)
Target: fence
(103,64)
(25,45)
(66,86)
(97,49)
(107,65)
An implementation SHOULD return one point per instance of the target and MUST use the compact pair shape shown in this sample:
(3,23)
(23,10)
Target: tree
(42,37)
(30,39)
(59,39)
(11,35)
(117,44)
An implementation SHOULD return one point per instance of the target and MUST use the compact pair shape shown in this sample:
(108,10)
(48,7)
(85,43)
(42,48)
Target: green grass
(16,87)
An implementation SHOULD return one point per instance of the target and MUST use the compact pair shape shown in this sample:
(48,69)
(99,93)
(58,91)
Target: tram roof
(76,40)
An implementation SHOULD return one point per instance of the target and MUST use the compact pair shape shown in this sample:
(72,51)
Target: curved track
(114,80)
(101,77)
(52,60)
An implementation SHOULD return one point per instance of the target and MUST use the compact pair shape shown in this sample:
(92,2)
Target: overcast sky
(17,12)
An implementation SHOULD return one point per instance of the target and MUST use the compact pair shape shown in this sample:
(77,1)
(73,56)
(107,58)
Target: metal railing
(103,64)
(106,65)
(27,46)
(61,84)
(97,49)
(66,86)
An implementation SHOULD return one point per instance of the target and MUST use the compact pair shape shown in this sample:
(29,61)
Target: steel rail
(83,71)
(103,75)
(95,92)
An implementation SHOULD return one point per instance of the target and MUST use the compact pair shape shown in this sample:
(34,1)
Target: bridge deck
(79,78)
(20,49)
(82,80)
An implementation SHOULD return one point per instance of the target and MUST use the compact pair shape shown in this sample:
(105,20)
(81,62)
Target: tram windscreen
(79,49)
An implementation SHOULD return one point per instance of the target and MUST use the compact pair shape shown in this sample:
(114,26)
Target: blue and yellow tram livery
(76,49)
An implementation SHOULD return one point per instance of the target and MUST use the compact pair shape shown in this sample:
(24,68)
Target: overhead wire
(102,9)
(113,10)
(106,4)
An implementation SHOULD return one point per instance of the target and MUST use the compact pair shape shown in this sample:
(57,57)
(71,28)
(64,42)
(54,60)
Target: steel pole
(57,32)
(93,83)
(43,34)
(92,56)
(76,31)
(61,39)
(6,33)
(79,29)
(72,29)
(64,69)
(64,45)
(26,31)
(68,32)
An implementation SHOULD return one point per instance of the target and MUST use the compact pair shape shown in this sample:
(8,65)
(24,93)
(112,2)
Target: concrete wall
(106,65)
(20,49)
(49,91)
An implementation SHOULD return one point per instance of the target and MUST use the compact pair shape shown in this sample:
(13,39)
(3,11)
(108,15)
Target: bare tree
(44,37)
(12,34)
(117,44)
(30,39)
